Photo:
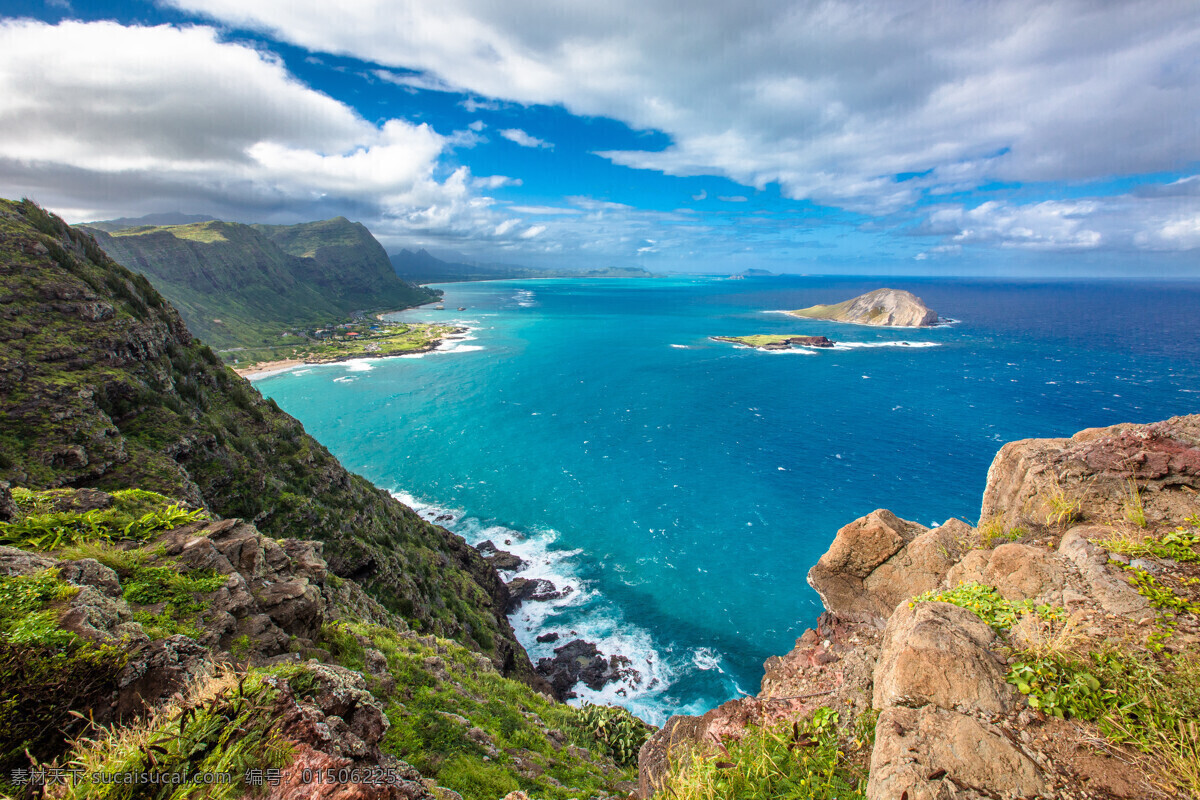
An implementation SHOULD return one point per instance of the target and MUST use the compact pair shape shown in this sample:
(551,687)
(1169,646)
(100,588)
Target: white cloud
(532,231)
(518,136)
(831,99)
(477,126)
(1162,222)
(103,118)
(506,226)
(737,198)
(703,194)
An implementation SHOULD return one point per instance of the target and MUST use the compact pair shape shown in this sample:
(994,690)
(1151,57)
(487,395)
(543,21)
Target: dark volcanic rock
(500,559)
(537,589)
(8,509)
(547,637)
(580,661)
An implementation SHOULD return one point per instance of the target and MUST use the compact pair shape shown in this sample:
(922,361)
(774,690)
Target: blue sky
(958,138)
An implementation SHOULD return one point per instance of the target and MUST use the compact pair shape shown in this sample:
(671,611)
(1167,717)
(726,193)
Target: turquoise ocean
(683,487)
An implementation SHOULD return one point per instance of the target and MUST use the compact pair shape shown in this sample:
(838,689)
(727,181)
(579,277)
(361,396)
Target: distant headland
(881,307)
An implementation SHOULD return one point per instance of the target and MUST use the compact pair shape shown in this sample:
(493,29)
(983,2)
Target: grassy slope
(102,385)
(834,311)
(242,285)
(452,715)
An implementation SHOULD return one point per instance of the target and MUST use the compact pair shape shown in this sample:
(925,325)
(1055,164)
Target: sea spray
(580,613)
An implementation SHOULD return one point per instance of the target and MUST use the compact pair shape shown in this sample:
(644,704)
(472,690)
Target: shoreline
(264,369)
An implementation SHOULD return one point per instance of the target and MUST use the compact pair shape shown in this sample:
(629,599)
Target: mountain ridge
(246,285)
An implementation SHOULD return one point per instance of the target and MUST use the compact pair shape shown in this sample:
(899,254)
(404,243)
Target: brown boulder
(929,753)
(938,654)
(1106,584)
(879,560)
(1018,571)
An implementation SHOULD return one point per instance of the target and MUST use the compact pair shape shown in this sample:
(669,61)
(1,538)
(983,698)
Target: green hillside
(102,385)
(246,285)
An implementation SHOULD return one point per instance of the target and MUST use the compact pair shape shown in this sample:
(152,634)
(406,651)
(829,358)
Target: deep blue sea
(683,487)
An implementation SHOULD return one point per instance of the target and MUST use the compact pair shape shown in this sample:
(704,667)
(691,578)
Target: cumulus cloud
(518,136)
(838,101)
(168,114)
(1135,221)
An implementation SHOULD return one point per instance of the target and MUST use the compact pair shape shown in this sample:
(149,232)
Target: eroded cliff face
(101,385)
(994,656)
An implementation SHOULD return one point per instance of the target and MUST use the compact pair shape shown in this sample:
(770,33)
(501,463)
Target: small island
(776,342)
(883,307)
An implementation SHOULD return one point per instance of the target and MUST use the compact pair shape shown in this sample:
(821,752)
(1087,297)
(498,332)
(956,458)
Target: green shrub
(987,604)
(135,515)
(801,761)
(616,732)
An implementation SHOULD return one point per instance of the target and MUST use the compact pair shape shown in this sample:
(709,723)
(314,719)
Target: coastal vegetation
(443,710)
(347,340)
(804,760)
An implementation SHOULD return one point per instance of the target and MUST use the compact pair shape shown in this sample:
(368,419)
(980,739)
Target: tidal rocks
(546,638)
(535,589)
(501,560)
(882,307)
(581,662)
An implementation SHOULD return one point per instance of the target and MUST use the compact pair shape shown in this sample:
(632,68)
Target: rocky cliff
(1051,651)
(102,385)
(884,307)
(244,285)
(142,638)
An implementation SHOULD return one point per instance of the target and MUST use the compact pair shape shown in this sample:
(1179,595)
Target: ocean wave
(583,613)
(358,365)
(344,379)
(802,351)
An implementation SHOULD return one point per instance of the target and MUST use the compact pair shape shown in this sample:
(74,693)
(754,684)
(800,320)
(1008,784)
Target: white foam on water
(857,345)
(795,351)
(681,346)
(358,365)
(582,613)
(344,379)
(260,375)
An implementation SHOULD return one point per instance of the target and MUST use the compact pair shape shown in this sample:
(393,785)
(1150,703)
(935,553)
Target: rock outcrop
(1108,473)
(882,307)
(879,560)
(951,723)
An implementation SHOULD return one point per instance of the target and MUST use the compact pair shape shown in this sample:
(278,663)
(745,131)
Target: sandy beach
(264,368)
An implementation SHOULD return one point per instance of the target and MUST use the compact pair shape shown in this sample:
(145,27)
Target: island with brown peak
(881,307)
